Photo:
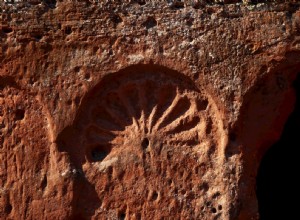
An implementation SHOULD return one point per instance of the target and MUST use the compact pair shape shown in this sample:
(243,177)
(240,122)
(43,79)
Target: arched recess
(266,108)
(143,138)
(278,174)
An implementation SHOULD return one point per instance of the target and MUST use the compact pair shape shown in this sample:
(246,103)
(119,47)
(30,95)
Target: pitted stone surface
(141,109)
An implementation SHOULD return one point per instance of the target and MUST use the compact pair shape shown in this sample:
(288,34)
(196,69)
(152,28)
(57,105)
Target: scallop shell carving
(149,137)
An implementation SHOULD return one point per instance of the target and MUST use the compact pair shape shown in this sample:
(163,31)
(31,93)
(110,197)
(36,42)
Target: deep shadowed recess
(278,179)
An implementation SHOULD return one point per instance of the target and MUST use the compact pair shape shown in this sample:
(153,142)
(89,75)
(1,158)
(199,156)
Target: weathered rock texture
(141,109)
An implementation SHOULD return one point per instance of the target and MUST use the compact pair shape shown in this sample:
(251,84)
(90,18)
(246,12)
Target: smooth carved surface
(148,144)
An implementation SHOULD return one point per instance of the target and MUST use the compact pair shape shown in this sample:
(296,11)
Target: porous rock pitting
(141,109)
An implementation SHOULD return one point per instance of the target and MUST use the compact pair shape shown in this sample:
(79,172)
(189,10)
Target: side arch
(266,107)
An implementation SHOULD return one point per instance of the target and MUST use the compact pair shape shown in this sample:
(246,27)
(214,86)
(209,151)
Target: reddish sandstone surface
(141,109)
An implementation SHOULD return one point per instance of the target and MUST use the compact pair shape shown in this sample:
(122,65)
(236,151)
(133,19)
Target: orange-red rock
(141,109)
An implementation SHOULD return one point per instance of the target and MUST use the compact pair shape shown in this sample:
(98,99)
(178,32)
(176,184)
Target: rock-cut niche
(146,142)
(278,178)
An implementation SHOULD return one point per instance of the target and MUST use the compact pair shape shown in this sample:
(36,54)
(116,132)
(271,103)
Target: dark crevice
(8,81)
(278,176)
(99,153)
(141,2)
(177,4)
(37,36)
(122,216)
(115,18)
(8,208)
(145,143)
(214,210)
(68,30)
(44,183)
(6,29)
(20,114)
(150,22)
(154,196)
(51,3)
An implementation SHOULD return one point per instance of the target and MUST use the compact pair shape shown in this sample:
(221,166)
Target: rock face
(136,139)
(141,109)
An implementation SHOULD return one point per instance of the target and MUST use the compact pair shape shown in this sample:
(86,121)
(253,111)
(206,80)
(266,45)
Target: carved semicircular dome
(148,140)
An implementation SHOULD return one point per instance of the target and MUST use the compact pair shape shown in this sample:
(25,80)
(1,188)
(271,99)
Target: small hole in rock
(145,143)
(99,153)
(216,195)
(77,100)
(109,171)
(220,207)
(37,37)
(169,155)
(44,182)
(140,2)
(154,196)
(8,208)
(197,5)
(77,69)
(204,187)
(68,30)
(183,192)
(6,30)
(202,105)
(150,22)
(116,19)
(122,216)
(51,3)
(87,76)
(213,210)
(20,113)
(69,102)
(181,173)
(177,4)
(176,191)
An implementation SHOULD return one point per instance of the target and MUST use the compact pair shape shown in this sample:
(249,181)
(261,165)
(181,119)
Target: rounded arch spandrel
(149,143)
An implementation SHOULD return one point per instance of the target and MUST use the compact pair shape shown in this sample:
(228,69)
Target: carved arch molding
(149,143)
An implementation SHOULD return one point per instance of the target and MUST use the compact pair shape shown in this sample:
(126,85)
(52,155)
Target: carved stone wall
(141,109)
(151,143)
